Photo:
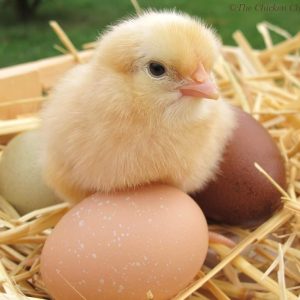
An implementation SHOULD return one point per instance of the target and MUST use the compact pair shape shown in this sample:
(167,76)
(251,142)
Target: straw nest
(265,264)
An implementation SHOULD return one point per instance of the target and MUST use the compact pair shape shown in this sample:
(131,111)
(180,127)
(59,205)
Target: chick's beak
(201,86)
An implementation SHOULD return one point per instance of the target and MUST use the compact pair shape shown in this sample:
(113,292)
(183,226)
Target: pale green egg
(21,181)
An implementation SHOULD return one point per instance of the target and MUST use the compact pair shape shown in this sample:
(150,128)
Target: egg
(240,194)
(21,181)
(125,245)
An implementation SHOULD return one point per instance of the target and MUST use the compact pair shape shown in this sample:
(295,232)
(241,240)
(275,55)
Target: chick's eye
(156,69)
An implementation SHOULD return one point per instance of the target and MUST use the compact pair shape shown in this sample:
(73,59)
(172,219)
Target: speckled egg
(240,194)
(126,245)
(21,181)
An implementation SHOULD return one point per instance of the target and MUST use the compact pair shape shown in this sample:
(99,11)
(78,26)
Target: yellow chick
(139,111)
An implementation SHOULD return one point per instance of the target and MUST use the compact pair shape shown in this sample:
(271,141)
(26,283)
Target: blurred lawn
(83,20)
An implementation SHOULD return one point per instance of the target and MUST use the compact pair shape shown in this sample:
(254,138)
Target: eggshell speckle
(240,194)
(121,246)
(21,181)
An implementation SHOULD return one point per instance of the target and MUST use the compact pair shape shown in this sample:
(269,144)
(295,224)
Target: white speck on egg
(81,223)
(120,289)
(150,220)
(137,264)
(81,282)
(76,214)
(133,203)
(94,198)
(94,255)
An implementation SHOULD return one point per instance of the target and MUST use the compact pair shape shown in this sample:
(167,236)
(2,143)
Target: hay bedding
(265,264)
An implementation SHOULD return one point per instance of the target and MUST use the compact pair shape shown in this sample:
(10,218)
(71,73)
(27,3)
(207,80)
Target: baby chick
(139,112)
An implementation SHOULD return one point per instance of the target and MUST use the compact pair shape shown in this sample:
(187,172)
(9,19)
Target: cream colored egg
(21,181)
(124,245)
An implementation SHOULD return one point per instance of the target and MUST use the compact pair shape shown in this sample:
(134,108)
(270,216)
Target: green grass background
(83,20)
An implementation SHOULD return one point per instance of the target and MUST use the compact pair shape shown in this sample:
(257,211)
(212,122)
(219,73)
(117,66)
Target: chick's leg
(216,238)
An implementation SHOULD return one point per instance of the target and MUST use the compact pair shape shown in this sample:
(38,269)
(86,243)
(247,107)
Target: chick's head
(165,57)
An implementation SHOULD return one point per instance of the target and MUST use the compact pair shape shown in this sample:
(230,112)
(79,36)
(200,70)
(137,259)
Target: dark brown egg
(240,194)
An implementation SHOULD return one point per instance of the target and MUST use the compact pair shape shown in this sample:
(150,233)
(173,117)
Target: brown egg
(240,194)
(121,246)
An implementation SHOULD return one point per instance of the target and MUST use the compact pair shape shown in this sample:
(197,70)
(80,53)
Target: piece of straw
(65,40)
(252,272)
(136,6)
